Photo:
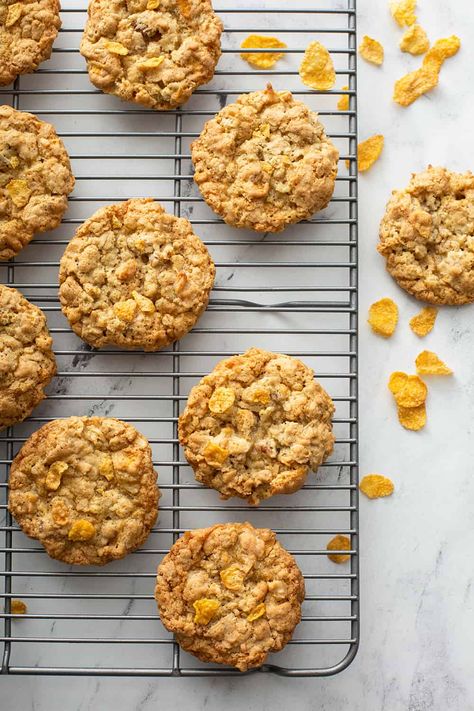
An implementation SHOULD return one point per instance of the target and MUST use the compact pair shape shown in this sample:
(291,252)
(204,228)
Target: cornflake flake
(428,363)
(371,50)
(115,47)
(339,543)
(343,103)
(413,393)
(317,68)
(415,41)
(18,607)
(397,381)
(403,12)
(423,323)
(383,317)
(13,14)
(264,60)
(412,418)
(374,486)
(369,151)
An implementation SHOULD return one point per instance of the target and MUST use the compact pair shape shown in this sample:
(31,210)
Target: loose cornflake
(428,363)
(423,323)
(403,12)
(317,68)
(369,151)
(339,543)
(415,84)
(383,317)
(413,393)
(371,50)
(374,486)
(415,41)
(343,103)
(397,381)
(18,607)
(264,60)
(412,418)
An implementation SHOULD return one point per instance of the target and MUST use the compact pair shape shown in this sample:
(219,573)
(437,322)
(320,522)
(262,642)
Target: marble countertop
(417,597)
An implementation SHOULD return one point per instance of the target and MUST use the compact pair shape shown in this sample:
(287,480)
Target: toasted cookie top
(230,593)
(27,361)
(35,179)
(134,276)
(427,236)
(265,162)
(85,488)
(256,425)
(27,32)
(153,52)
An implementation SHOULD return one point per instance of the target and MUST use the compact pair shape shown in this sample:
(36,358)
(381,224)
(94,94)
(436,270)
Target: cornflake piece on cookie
(415,41)
(339,543)
(264,60)
(413,393)
(403,12)
(343,103)
(369,151)
(223,619)
(371,50)
(412,418)
(383,317)
(428,363)
(423,322)
(317,68)
(375,486)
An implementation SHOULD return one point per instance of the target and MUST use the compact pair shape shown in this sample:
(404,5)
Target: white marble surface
(416,584)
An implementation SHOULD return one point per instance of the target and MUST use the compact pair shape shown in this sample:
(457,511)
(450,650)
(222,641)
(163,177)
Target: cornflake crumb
(423,322)
(339,543)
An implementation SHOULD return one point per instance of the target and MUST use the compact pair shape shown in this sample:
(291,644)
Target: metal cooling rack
(294,292)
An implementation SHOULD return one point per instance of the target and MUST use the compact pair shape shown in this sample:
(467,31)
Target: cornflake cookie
(35,179)
(153,52)
(265,162)
(27,362)
(256,425)
(135,277)
(85,488)
(27,32)
(230,593)
(426,236)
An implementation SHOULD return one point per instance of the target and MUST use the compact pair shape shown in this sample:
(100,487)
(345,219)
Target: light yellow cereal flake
(151,63)
(375,486)
(221,400)
(403,12)
(19,192)
(371,50)
(317,68)
(423,322)
(262,60)
(383,317)
(415,41)
(54,475)
(413,393)
(257,612)
(343,103)
(412,418)
(428,363)
(14,13)
(339,543)
(81,530)
(369,151)
(205,610)
(115,48)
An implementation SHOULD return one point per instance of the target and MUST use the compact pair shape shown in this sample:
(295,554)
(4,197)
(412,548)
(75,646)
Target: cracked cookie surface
(256,425)
(427,236)
(27,32)
(85,487)
(134,276)
(153,52)
(265,162)
(230,593)
(35,179)
(27,361)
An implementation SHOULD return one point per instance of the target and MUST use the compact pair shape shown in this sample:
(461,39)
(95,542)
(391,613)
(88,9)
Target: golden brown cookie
(153,52)
(134,276)
(27,361)
(27,32)
(256,425)
(427,236)
(230,593)
(35,179)
(85,487)
(265,162)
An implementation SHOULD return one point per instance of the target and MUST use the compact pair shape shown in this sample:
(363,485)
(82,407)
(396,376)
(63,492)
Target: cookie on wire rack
(265,162)
(152,52)
(35,179)
(256,425)
(134,276)
(85,488)
(27,361)
(427,236)
(27,32)
(230,593)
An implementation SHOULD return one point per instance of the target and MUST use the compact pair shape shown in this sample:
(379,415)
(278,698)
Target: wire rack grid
(294,292)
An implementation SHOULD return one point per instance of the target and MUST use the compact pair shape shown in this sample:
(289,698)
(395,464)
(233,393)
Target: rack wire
(294,292)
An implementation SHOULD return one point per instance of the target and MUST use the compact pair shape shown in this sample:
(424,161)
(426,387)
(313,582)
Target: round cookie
(265,162)
(27,32)
(27,361)
(134,276)
(85,488)
(153,52)
(230,593)
(35,179)
(427,236)
(256,425)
